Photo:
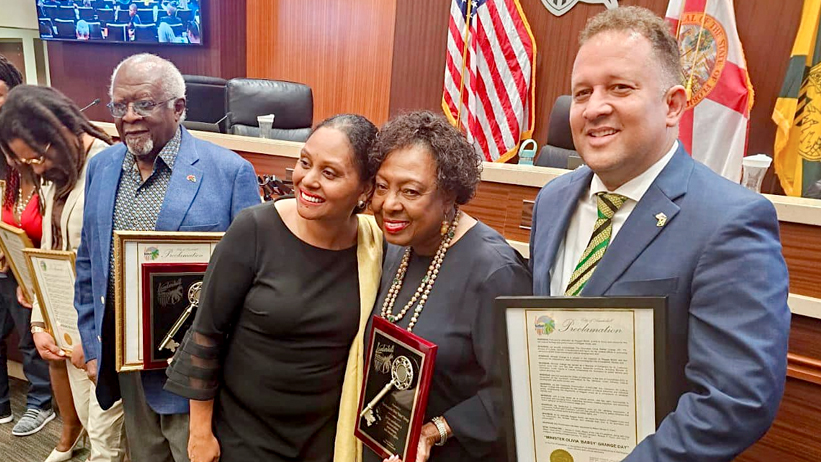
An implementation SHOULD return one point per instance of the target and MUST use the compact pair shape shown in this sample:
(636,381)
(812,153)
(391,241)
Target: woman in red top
(21,209)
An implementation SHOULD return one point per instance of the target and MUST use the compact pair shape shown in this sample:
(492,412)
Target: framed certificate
(398,369)
(156,292)
(586,377)
(53,277)
(12,242)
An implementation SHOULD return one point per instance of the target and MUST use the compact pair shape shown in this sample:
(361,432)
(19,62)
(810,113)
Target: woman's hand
(22,301)
(429,436)
(203,447)
(47,348)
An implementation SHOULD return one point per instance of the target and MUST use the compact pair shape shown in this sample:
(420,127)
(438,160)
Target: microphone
(93,103)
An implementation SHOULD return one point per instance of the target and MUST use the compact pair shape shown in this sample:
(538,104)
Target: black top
(458,317)
(270,341)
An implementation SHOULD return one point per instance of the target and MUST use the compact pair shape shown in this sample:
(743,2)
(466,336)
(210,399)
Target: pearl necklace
(20,205)
(425,286)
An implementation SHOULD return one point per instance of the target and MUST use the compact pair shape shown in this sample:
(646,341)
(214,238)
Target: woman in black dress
(287,292)
(443,269)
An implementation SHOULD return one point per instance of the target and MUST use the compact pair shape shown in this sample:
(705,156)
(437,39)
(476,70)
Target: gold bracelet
(37,329)
(443,432)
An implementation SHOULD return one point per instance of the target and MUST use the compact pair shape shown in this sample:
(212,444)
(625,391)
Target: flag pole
(464,65)
(689,88)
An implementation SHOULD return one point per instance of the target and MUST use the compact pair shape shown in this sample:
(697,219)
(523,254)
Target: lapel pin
(662,219)
(191,178)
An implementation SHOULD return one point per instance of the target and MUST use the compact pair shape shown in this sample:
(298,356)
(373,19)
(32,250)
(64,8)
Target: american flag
(491,64)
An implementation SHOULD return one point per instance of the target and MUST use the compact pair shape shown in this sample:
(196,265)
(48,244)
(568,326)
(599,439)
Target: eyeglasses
(142,108)
(36,160)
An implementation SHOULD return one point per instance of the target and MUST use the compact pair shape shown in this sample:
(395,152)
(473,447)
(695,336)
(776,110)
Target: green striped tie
(607,205)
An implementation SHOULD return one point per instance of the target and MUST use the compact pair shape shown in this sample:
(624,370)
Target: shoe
(32,421)
(62,456)
(5,413)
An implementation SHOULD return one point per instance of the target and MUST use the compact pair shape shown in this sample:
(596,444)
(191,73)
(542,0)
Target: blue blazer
(225,184)
(718,260)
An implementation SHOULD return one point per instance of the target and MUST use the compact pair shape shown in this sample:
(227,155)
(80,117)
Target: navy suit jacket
(718,260)
(224,184)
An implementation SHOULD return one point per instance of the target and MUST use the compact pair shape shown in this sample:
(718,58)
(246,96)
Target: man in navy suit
(160,178)
(664,225)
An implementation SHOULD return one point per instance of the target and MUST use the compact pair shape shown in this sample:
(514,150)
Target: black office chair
(185,15)
(123,18)
(116,33)
(559,152)
(86,14)
(145,33)
(46,28)
(66,13)
(205,102)
(95,30)
(49,11)
(291,103)
(106,15)
(146,16)
(66,29)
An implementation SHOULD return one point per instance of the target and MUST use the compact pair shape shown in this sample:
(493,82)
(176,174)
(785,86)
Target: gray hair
(171,82)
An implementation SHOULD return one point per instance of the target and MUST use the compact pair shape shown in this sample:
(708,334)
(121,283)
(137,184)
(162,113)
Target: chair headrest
(204,80)
(292,103)
(558,132)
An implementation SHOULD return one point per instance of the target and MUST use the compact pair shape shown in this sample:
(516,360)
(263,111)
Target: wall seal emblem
(560,7)
(703,55)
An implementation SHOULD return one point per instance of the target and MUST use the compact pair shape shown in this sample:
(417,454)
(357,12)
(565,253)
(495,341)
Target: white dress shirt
(584,218)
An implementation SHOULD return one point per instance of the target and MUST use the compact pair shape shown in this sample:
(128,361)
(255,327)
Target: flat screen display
(162,22)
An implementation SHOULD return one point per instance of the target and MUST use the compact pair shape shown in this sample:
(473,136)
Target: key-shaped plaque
(401,379)
(193,301)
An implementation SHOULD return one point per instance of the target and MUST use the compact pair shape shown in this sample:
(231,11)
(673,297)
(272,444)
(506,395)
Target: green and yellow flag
(798,110)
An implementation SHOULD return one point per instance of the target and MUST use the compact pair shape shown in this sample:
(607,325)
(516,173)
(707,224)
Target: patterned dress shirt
(139,202)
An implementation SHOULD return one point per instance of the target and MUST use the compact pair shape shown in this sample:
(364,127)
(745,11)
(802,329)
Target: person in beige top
(42,129)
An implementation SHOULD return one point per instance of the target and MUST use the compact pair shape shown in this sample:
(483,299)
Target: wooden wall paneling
(419,48)
(794,434)
(83,70)
(342,50)
(13,51)
(805,333)
(766,44)
(802,250)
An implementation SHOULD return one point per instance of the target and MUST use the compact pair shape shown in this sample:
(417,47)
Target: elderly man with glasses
(160,178)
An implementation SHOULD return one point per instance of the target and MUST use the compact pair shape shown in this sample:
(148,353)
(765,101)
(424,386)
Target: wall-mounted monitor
(162,22)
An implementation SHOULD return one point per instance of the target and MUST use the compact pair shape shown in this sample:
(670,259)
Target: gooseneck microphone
(93,103)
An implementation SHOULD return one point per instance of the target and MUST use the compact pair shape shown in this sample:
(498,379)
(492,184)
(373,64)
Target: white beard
(140,148)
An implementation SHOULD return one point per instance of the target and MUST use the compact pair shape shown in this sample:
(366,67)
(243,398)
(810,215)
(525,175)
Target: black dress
(459,318)
(270,341)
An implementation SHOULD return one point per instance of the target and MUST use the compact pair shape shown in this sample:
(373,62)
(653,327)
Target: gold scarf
(347,448)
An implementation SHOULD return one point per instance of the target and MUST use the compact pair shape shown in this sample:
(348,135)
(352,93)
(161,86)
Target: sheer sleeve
(194,373)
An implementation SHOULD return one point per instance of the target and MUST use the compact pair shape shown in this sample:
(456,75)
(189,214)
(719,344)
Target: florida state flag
(720,95)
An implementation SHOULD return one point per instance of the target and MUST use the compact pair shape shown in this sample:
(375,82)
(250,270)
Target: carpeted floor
(34,448)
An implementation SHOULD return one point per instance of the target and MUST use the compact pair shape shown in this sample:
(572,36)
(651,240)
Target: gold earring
(444,229)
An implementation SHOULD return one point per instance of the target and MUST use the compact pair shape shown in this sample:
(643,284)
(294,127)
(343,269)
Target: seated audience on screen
(133,17)
(171,17)
(194,32)
(82,30)
(443,270)
(46,132)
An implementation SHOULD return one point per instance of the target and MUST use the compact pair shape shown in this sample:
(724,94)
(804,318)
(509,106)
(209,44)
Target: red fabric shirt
(31,221)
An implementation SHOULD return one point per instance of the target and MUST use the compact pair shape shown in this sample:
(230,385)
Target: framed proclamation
(53,277)
(12,242)
(157,280)
(398,369)
(586,376)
